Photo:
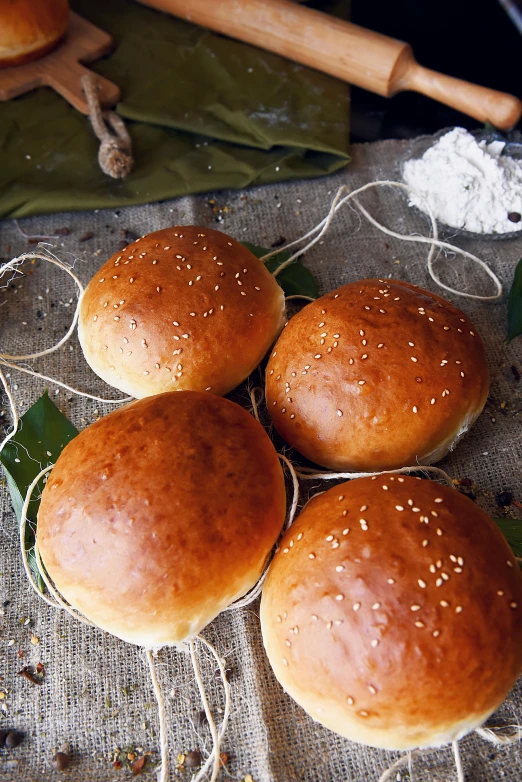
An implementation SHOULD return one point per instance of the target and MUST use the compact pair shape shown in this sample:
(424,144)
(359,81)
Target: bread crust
(184,308)
(161,514)
(404,631)
(30,28)
(376,375)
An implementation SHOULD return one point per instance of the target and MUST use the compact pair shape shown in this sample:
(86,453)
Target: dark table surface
(470,39)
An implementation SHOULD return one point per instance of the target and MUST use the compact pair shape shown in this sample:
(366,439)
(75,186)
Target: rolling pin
(359,56)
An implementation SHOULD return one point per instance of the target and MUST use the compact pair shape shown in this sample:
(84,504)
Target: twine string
(458,762)
(501,735)
(308,473)
(215,754)
(164,767)
(319,230)
(7,359)
(115,153)
(226,714)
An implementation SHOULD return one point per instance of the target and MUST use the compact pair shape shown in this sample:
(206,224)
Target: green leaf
(42,434)
(512,531)
(515,305)
(296,279)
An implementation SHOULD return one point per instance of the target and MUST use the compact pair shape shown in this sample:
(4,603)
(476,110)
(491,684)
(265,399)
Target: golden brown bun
(182,308)
(30,28)
(376,375)
(392,613)
(161,514)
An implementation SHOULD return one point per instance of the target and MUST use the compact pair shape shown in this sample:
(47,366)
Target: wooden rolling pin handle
(359,56)
(500,109)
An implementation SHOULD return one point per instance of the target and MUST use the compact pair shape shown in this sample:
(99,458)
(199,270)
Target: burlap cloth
(96,693)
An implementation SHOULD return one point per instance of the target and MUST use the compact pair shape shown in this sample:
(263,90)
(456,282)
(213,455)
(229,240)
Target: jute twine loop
(115,153)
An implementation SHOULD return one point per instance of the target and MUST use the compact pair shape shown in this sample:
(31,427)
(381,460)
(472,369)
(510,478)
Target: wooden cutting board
(62,70)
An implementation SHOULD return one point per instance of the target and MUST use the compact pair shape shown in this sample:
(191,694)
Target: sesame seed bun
(392,613)
(30,28)
(161,514)
(376,375)
(185,308)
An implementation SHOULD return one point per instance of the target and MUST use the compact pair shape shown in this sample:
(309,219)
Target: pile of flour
(468,184)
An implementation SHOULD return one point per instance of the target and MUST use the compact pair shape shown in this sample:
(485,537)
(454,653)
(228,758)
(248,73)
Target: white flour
(467,184)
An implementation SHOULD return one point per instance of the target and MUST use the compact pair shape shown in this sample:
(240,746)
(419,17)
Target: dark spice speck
(504,498)
(193,759)
(13,739)
(61,761)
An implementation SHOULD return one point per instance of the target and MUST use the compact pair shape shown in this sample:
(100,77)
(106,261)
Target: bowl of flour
(471,181)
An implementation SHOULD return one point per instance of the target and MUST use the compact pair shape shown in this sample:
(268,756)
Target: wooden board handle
(67,83)
(500,109)
(352,53)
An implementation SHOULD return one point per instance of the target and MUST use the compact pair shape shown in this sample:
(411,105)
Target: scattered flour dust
(468,184)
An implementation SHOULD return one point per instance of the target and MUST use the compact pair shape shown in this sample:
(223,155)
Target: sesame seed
(362,382)
(444,603)
(513,605)
(376,606)
(419,624)
(414,359)
(372,689)
(346,531)
(438,499)
(285,661)
(414,408)
(415,608)
(363,714)
(459,610)
(311,556)
(339,597)
(421,583)
(425,543)
(509,563)
(350,700)
(399,507)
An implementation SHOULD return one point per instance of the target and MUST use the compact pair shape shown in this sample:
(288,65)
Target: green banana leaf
(204,113)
